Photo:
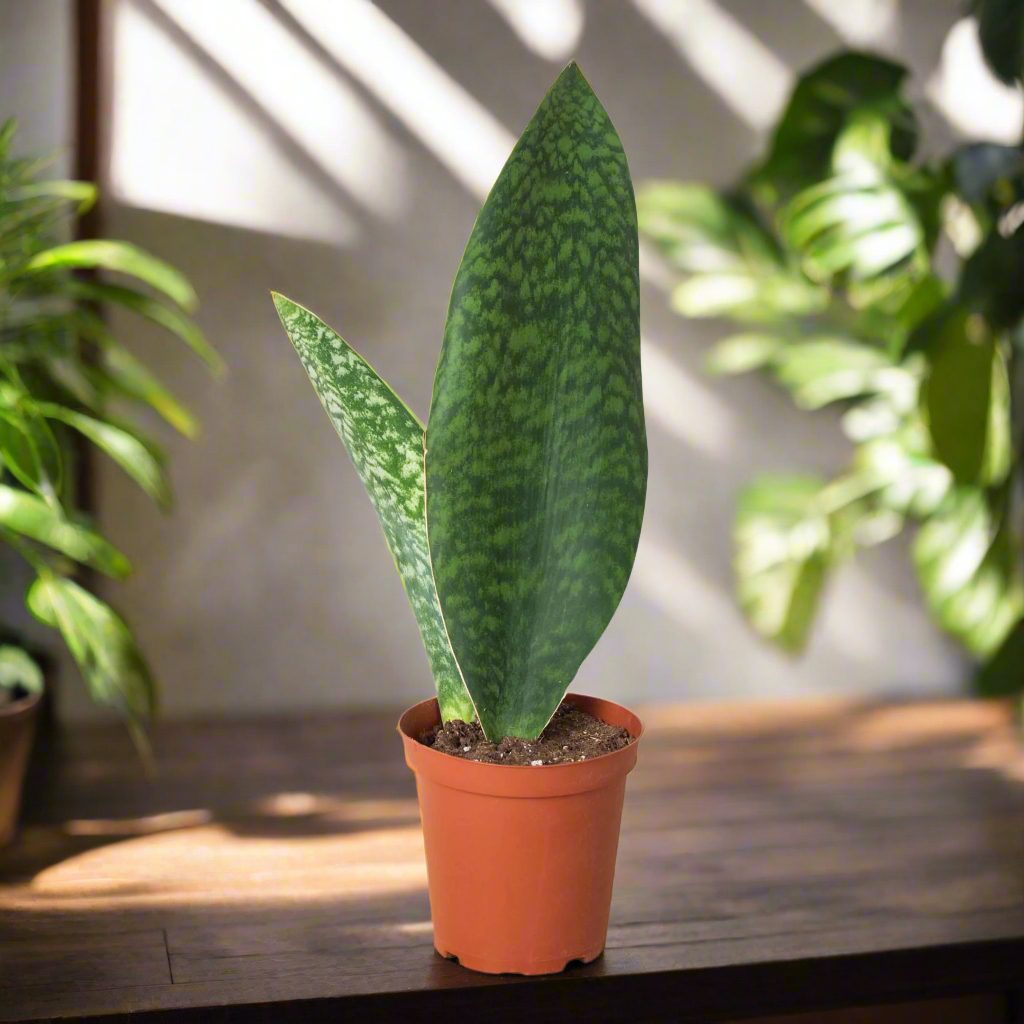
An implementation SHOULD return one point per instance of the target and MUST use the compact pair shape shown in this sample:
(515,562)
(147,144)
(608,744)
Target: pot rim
(514,780)
(21,707)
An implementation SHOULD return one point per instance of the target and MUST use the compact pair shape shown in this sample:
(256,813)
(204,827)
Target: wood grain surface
(825,861)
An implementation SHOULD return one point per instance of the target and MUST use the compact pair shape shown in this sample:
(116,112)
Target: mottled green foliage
(385,441)
(536,457)
(929,365)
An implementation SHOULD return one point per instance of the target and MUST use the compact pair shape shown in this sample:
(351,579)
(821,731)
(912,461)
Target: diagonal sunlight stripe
(748,77)
(474,145)
(550,28)
(323,113)
(860,22)
(966,93)
(466,137)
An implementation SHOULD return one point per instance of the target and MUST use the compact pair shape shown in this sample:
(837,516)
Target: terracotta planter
(520,860)
(17,729)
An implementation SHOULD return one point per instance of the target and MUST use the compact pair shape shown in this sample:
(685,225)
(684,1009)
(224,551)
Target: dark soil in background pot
(571,735)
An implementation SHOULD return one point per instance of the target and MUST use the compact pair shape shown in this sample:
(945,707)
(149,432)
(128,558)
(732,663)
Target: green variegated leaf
(536,455)
(31,517)
(385,441)
(101,644)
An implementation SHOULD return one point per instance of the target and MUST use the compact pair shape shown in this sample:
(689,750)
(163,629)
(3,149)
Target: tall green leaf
(536,458)
(101,644)
(31,517)
(385,441)
(123,257)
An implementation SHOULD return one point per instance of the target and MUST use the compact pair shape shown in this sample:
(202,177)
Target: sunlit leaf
(907,479)
(735,265)
(783,549)
(19,671)
(158,312)
(84,193)
(824,370)
(121,257)
(970,571)
(101,644)
(820,107)
(130,453)
(741,353)
(33,518)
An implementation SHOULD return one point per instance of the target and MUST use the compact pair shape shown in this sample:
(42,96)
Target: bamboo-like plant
(825,255)
(62,370)
(513,517)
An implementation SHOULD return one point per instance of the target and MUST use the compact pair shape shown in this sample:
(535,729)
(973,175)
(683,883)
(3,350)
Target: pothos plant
(63,372)
(891,285)
(513,517)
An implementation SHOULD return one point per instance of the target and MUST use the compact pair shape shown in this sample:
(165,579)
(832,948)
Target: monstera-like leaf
(536,459)
(385,441)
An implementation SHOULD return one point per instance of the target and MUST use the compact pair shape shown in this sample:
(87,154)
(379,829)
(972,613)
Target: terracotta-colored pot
(17,729)
(520,860)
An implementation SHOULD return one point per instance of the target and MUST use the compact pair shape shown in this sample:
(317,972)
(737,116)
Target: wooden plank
(766,865)
(989,1008)
(74,963)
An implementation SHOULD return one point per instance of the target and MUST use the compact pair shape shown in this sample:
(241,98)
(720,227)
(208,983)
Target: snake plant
(513,516)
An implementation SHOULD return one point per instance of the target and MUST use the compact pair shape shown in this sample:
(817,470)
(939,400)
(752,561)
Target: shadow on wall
(265,144)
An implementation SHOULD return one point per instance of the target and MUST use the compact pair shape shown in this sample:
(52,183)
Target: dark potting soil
(571,735)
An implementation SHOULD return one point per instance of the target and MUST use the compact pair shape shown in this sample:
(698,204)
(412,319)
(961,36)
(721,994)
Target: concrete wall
(338,152)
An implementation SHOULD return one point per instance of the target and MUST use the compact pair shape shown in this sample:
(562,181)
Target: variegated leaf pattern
(536,448)
(385,441)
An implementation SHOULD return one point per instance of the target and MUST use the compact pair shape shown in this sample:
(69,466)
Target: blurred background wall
(337,151)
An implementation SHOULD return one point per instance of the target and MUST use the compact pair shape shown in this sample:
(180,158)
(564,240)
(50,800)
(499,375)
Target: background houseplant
(513,520)
(858,273)
(64,375)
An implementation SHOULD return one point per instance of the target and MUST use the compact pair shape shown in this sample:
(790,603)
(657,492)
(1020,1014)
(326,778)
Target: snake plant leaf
(784,543)
(536,458)
(385,441)
(29,516)
(111,663)
(18,670)
(970,570)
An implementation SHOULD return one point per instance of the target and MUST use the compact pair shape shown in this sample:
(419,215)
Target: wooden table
(794,860)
